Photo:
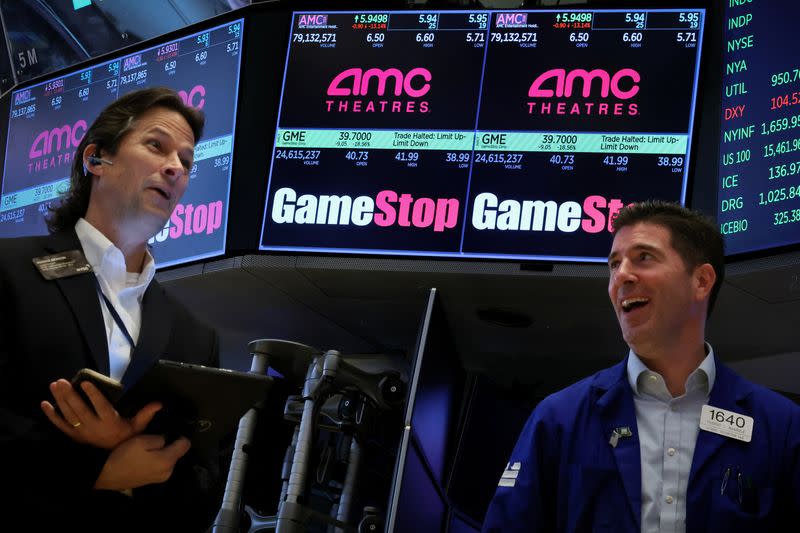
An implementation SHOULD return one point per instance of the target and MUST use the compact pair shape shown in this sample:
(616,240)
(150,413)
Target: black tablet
(201,403)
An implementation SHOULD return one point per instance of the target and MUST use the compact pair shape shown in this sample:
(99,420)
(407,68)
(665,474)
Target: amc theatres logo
(355,81)
(388,90)
(312,21)
(196,97)
(564,83)
(512,20)
(595,87)
(58,139)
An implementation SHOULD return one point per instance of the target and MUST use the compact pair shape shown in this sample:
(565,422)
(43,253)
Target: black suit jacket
(49,330)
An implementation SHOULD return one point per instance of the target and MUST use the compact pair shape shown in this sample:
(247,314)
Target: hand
(139,461)
(102,426)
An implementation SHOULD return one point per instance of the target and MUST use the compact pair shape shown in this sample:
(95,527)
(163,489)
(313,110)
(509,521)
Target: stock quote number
(778,195)
(782,78)
(783,147)
(781,171)
(635,18)
(693,19)
(481,20)
(562,159)
(616,160)
(457,157)
(670,161)
(559,138)
(786,217)
(780,124)
(579,37)
(406,157)
(357,155)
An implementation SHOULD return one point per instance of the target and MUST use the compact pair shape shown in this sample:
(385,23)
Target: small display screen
(49,119)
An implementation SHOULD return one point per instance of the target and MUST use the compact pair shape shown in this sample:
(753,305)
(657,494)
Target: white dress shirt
(122,288)
(668,429)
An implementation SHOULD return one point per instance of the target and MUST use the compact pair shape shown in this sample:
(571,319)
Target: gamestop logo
(555,90)
(52,148)
(595,214)
(190,219)
(379,91)
(388,208)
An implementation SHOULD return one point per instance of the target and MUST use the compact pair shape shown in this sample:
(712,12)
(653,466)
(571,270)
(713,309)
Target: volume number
(297,154)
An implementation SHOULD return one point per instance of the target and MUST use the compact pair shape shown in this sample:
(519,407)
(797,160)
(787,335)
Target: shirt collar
(701,378)
(107,260)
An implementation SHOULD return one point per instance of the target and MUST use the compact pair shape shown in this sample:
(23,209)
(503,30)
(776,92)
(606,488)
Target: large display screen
(759,187)
(48,120)
(491,134)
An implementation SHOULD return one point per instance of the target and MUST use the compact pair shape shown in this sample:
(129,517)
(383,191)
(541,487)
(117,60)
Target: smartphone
(111,388)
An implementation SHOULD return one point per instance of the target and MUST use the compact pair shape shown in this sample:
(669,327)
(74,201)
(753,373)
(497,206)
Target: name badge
(62,265)
(726,423)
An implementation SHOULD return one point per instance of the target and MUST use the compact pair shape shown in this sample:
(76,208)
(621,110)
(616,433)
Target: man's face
(149,174)
(654,296)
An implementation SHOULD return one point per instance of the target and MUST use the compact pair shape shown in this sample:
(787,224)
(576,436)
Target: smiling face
(660,304)
(135,195)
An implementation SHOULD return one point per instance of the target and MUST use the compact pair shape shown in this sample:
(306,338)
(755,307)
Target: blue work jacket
(565,476)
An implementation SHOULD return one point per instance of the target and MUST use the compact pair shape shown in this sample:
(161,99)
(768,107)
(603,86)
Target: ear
(704,279)
(90,150)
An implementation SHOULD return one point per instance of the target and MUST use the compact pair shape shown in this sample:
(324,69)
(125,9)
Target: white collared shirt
(668,429)
(122,288)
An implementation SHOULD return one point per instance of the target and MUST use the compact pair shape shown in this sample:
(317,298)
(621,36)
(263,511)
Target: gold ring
(77,424)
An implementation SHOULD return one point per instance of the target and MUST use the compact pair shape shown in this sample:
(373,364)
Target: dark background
(519,330)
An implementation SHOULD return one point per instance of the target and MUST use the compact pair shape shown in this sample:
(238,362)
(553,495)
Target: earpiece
(94,160)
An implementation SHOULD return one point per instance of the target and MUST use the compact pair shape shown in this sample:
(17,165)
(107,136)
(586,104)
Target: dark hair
(107,132)
(693,235)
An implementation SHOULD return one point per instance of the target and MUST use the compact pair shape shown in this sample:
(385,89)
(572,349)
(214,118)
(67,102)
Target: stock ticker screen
(759,189)
(485,134)
(49,119)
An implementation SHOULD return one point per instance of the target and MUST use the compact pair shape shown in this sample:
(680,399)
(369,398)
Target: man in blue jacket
(669,439)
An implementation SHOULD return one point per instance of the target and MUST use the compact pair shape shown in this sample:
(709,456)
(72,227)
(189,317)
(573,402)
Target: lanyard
(115,315)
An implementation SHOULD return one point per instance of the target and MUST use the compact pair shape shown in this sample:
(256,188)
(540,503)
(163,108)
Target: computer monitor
(525,147)
(418,500)
(49,117)
(758,206)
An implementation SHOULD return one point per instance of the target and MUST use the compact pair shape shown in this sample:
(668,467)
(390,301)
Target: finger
(75,401)
(141,419)
(151,442)
(50,413)
(177,449)
(67,412)
(100,403)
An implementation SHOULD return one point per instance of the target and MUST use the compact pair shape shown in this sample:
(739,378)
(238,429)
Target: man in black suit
(84,296)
